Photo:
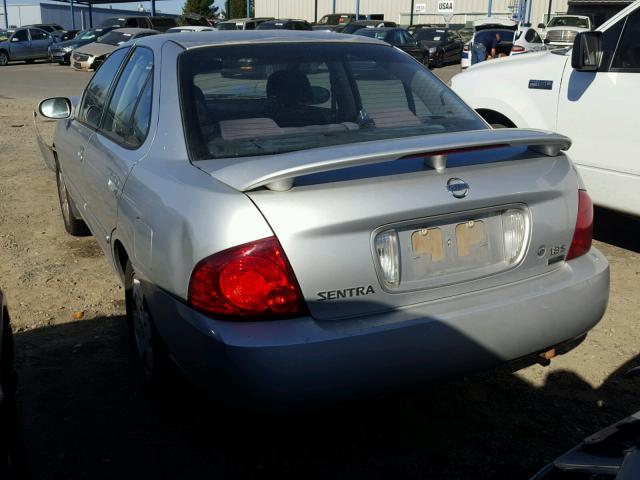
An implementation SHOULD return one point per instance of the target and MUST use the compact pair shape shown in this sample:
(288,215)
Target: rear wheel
(148,354)
(4,59)
(73,223)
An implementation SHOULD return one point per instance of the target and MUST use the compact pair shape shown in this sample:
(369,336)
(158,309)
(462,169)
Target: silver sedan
(296,231)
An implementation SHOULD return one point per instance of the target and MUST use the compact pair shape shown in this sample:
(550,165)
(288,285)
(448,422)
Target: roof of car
(238,37)
(134,30)
(240,20)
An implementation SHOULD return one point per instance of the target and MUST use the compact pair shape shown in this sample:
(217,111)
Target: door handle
(81,154)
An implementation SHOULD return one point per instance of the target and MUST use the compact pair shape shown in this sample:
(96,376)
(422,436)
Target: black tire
(29,61)
(62,62)
(440,60)
(4,59)
(148,354)
(73,223)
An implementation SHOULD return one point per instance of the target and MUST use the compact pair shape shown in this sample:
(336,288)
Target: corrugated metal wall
(398,10)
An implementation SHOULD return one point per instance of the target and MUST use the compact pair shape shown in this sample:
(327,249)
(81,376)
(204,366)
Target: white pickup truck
(590,92)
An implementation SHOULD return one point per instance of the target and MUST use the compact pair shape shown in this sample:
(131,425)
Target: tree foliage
(201,7)
(238,8)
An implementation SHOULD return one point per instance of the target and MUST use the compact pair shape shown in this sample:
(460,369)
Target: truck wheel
(4,59)
(73,223)
(148,354)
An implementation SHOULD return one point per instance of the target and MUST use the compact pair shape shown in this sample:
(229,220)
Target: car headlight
(432,49)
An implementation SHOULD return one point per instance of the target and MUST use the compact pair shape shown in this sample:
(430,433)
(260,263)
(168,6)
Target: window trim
(611,68)
(84,93)
(114,138)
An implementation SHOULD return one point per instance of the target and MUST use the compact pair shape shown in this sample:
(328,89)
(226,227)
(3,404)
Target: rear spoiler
(278,172)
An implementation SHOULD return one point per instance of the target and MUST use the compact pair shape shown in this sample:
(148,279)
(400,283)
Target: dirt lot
(84,416)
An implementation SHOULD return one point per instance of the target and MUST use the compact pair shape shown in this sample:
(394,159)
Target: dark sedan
(444,45)
(285,24)
(398,37)
(353,27)
(61,52)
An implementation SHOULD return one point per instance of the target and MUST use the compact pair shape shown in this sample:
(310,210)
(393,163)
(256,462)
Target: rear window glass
(227,26)
(115,38)
(430,35)
(372,33)
(268,99)
(569,22)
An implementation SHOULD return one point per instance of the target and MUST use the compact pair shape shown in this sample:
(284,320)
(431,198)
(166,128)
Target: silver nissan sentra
(304,216)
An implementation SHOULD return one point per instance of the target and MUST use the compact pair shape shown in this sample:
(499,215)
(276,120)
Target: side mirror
(541,25)
(587,51)
(15,39)
(56,108)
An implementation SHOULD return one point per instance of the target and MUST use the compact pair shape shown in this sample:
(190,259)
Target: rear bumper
(307,360)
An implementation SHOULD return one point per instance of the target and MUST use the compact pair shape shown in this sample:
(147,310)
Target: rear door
(120,141)
(40,41)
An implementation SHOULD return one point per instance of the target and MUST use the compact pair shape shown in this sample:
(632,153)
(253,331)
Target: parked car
(11,454)
(61,52)
(282,246)
(162,24)
(561,90)
(486,29)
(28,44)
(355,26)
(400,38)
(284,24)
(444,45)
(333,21)
(190,28)
(562,30)
(89,57)
(242,23)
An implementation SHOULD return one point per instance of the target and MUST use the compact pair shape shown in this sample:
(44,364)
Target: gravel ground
(84,416)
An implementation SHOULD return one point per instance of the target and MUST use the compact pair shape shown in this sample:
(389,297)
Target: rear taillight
(253,280)
(583,234)
(465,48)
(517,49)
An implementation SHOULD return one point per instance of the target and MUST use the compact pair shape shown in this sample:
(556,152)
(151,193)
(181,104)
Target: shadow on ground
(84,416)
(617,229)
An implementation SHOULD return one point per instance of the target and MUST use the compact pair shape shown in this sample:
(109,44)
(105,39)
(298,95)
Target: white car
(561,30)
(589,95)
(515,40)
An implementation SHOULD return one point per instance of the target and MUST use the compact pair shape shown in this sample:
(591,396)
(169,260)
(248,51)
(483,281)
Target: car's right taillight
(251,281)
(465,48)
(583,235)
(517,49)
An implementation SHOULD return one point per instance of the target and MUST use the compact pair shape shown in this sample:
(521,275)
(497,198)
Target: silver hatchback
(288,230)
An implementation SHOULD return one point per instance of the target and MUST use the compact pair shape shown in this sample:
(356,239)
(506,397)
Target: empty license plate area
(449,250)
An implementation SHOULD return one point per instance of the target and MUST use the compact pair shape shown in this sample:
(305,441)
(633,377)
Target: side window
(131,97)
(529,36)
(21,35)
(95,95)
(628,52)
(38,34)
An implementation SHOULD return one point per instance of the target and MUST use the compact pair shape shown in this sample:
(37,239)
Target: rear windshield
(115,38)
(569,22)
(272,26)
(267,99)
(372,33)
(334,19)
(430,35)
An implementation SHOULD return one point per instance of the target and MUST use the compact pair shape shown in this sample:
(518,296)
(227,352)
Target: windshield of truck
(568,22)
(267,99)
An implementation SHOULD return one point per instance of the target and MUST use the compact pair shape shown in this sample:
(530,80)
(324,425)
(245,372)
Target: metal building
(425,11)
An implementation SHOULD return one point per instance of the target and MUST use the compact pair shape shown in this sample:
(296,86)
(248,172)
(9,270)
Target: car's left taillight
(583,234)
(251,281)
(517,49)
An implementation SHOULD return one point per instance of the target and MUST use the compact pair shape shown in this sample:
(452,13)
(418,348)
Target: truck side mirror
(587,51)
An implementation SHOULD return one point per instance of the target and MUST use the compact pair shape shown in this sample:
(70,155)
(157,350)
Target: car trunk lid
(330,207)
